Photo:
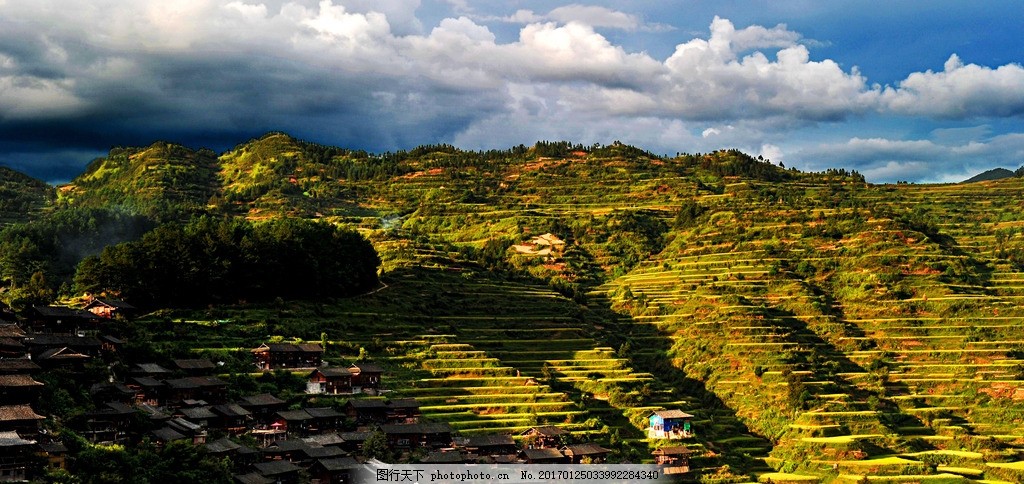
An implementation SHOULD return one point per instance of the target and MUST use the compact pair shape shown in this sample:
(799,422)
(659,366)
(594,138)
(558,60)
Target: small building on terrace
(669,424)
(272,356)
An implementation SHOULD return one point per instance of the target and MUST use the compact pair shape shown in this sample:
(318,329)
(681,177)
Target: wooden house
(674,460)
(16,366)
(61,319)
(231,418)
(585,453)
(545,455)
(403,410)
(165,435)
(55,454)
(17,457)
(365,376)
(110,344)
(279,471)
(222,447)
(353,441)
(335,470)
(18,388)
(195,366)
(62,357)
(11,345)
(330,381)
(109,424)
(418,436)
(262,407)
(21,419)
(38,343)
(148,390)
(151,370)
(112,392)
(207,388)
(367,411)
(488,445)
(192,431)
(272,356)
(547,436)
(669,424)
(108,308)
(308,421)
(201,415)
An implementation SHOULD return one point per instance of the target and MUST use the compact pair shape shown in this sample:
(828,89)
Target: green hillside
(21,196)
(163,180)
(811,322)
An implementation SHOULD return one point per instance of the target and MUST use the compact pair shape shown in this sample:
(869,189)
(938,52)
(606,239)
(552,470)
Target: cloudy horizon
(925,94)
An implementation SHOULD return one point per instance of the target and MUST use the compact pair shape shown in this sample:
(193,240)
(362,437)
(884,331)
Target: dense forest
(227,260)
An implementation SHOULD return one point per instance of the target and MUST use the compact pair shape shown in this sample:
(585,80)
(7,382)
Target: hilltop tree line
(227,260)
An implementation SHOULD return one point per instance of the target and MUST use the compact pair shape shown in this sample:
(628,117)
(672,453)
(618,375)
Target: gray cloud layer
(368,74)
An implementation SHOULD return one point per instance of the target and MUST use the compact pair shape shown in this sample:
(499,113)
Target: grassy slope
(806,323)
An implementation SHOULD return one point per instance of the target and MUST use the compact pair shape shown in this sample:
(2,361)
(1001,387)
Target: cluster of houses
(187,401)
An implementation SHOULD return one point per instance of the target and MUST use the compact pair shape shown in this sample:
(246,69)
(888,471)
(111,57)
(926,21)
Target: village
(265,437)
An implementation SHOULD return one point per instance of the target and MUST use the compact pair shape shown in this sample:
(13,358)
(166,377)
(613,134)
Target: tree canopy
(226,260)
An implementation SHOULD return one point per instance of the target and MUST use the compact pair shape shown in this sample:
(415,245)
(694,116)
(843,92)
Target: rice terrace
(749,322)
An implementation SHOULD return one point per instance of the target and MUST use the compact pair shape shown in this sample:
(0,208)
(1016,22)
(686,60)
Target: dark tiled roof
(294,415)
(195,364)
(62,312)
(367,403)
(321,452)
(333,372)
(147,381)
(585,449)
(231,410)
(323,412)
(263,399)
(168,434)
(11,331)
(222,445)
(63,353)
(18,365)
(149,368)
(325,439)
(355,436)
(290,348)
(672,414)
(195,382)
(437,457)
(15,413)
(290,445)
(547,431)
(50,340)
(420,428)
(546,453)
(338,463)
(18,381)
(674,450)
(494,440)
(53,448)
(252,478)
(12,439)
(275,468)
(198,413)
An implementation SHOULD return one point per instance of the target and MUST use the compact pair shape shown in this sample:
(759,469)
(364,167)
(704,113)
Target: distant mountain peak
(990,175)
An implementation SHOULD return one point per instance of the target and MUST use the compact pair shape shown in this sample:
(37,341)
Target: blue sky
(918,91)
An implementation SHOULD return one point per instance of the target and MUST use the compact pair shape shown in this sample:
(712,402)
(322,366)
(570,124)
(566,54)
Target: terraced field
(818,328)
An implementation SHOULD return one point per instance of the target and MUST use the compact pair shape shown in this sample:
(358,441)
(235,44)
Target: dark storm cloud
(80,78)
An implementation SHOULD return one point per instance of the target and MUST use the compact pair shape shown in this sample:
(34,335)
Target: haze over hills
(811,322)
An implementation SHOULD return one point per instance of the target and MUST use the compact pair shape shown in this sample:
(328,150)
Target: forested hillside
(818,327)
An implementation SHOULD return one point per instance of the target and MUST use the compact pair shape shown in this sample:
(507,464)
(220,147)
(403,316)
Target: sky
(899,90)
